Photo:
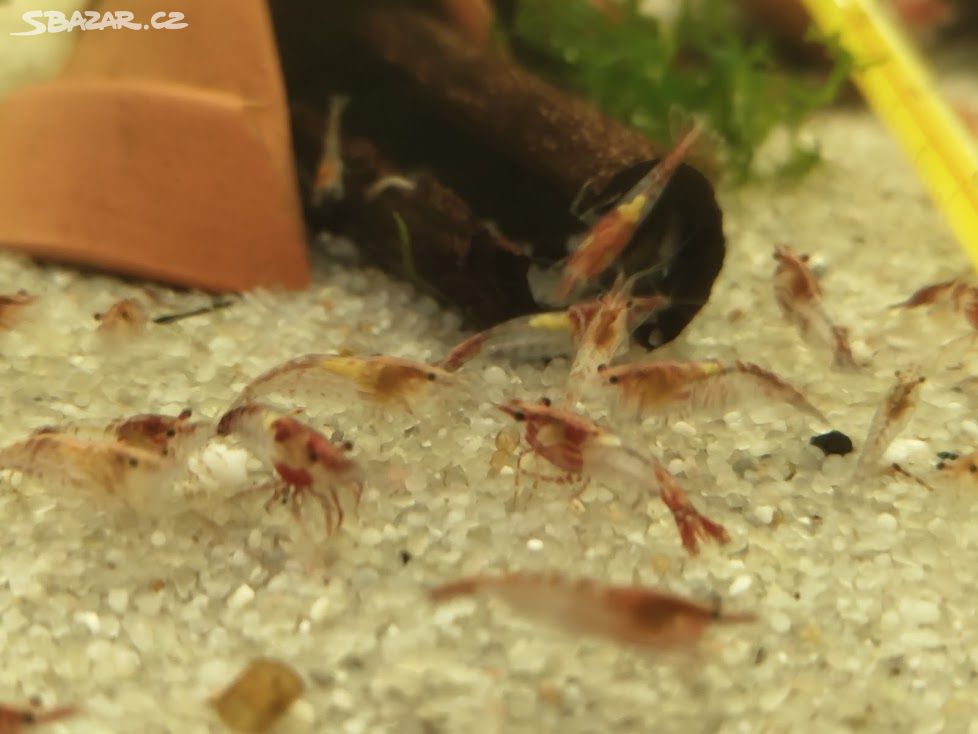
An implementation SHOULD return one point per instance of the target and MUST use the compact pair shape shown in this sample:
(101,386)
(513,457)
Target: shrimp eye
(432,377)
(171,432)
(519,415)
(98,317)
(133,462)
(613,379)
(941,465)
(546,401)
(348,445)
(313,455)
(973,468)
(602,367)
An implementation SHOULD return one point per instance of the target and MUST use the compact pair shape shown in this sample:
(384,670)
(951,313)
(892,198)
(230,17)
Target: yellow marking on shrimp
(558,321)
(632,211)
(349,367)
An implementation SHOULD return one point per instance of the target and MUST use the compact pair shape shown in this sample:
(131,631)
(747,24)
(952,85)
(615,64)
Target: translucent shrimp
(672,389)
(17,720)
(605,323)
(124,318)
(959,465)
(611,234)
(12,307)
(891,417)
(105,467)
(329,175)
(799,297)
(380,380)
(955,295)
(582,449)
(168,436)
(629,615)
(305,461)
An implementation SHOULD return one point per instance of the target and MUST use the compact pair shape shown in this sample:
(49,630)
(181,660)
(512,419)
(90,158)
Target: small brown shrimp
(891,417)
(16,720)
(304,460)
(610,235)
(629,615)
(161,434)
(799,297)
(127,317)
(959,465)
(956,295)
(381,380)
(676,388)
(104,466)
(582,449)
(329,175)
(12,307)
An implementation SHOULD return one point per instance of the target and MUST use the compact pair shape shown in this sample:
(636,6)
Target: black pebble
(833,442)
(405,557)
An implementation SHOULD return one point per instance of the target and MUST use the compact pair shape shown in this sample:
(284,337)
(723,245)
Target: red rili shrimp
(558,333)
(629,615)
(125,318)
(582,449)
(12,306)
(161,434)
(17,720)
(611,234)
(380,379)
(329,175)
(959,465)
(676,388)
(305,461)
(104,466)
(891,417)
(799,297)
(956,295)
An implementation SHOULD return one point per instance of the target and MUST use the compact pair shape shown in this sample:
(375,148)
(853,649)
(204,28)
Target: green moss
(639,71)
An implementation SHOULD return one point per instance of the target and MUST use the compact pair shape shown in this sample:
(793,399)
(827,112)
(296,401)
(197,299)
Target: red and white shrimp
(329,175)
(799,297)
(108,467)
(16,720)
(610,235)
(12,307)
(125,318)
(671,389)
(629,615)
(890,418)
(173,437)
(381,380)
(582,449)
(603,323)
(305,461)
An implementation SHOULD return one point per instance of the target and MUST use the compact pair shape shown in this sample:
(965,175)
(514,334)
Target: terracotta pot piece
(163,154)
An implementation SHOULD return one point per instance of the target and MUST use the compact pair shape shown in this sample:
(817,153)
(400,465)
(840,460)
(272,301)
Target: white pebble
(320,609)
(780,622)
(495,375)
(534,544)
(241,597)
(919,611)
(764,514)
(157,539)
(886,521)
(903,449)
(921,638)
(118,600)
(683,429)
(89,620)
(740,584)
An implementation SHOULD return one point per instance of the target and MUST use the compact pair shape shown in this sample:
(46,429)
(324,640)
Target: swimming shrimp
(559,333)
(106,466)
(629,615)
(305,461)
(799,297)
(16,720)
(676,388)
(891,417)
(582,449)
(955,295)
(12,307)
(380,379)
(329,176)
(611,234)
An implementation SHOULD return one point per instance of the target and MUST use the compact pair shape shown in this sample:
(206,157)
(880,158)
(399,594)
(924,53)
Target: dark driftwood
(513,149)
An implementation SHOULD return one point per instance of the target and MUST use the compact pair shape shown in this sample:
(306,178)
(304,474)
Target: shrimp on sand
(381,380)
(677,388)
(629,615)
(17,720)
(171,436)
(582,449)
(108,467)
(12,307)
(800,299)
(305,461)
(890,418)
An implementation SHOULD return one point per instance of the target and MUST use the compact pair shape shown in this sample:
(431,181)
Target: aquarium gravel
(864,592)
